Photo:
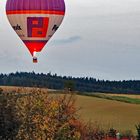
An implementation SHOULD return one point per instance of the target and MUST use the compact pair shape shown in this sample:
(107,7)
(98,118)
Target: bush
(112,133)
(37,115)
(69,85)
(9,121)
(127,134)
(46,117)
(93,133)
(1,90)
(138,131)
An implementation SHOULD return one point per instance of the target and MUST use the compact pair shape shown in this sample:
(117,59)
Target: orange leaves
(46,117)
(36,115)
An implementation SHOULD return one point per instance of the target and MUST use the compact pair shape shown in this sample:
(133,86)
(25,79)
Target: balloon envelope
(35,21)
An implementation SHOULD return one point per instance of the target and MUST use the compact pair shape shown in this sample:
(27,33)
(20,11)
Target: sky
(98,38)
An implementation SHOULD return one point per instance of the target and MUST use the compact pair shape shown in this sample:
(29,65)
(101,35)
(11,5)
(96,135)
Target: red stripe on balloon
(34,45)
(35,12)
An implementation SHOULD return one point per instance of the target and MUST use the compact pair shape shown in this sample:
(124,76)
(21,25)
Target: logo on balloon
(55,27)
(37,26)
(17,27)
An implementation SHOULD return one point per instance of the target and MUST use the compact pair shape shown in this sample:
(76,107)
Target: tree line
(81,84)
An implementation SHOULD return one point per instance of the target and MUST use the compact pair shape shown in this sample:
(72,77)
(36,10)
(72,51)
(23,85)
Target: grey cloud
(69,40)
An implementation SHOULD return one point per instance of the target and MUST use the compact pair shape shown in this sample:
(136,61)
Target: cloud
(69,40)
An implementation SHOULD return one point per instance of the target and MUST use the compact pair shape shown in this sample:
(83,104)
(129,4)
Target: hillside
(82,84)
(103,112)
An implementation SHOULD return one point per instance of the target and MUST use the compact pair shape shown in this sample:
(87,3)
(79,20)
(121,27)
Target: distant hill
(82,84)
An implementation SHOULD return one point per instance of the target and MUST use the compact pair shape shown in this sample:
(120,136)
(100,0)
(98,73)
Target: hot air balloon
(35,21)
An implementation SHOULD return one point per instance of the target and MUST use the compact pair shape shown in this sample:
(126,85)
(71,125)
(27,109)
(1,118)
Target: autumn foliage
(37,115)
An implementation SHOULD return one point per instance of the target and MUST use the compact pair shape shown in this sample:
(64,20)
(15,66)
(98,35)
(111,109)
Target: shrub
(37,115)
(138,131)
(1,90)
(127,134)
(112,133)
(92,133)
(69,85)
(9,122)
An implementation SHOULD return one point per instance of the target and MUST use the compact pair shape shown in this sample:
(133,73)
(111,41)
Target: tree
(9,121)
(36,115)
(69,85)
(138,131)
(1,90)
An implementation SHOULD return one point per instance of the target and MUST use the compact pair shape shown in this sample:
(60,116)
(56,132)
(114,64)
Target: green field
(105,112)
(132,99)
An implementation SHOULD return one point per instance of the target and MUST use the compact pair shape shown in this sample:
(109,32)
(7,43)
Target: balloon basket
(35,60)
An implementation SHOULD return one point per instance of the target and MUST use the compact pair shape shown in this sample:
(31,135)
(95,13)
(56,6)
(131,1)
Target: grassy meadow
(105,112)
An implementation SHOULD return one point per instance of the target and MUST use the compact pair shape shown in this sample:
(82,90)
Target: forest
(80,84)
